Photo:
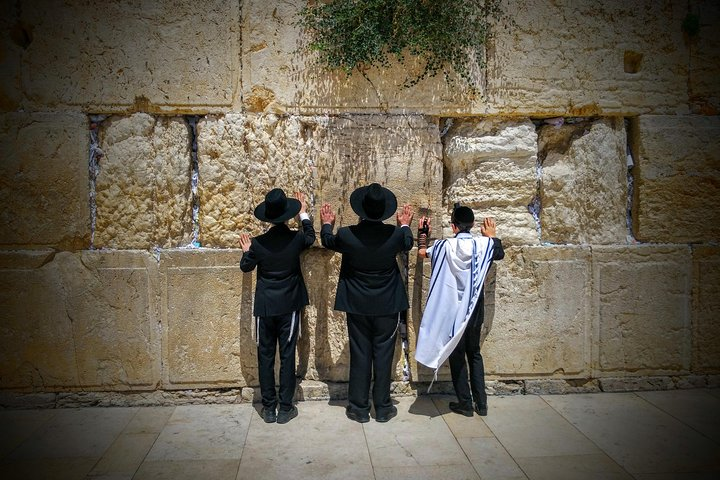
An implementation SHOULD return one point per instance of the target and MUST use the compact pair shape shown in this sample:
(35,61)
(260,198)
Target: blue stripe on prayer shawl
(436,252)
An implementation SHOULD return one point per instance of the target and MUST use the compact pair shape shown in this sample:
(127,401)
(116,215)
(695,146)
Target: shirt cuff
(304,216)
(404,225)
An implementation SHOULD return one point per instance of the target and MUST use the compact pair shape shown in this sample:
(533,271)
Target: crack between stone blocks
(192,122)
(94,156)
(535,205)
(630,182)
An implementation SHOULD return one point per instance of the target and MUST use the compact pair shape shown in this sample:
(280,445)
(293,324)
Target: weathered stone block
(82,320)
(542,318)
(492,168)
(635,384)
(208,325)
(706,309)
(14,39)
(569,58)
(44,180)
(677,179)
(241,157)
(703,78)
(643,304)
(584,182)
(560,387)
(156,56)
(143,188)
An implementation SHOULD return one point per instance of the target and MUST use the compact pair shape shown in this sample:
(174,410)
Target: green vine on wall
(356,34)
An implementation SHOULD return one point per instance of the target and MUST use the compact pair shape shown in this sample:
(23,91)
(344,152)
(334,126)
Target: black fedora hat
(373,202)
(277,207)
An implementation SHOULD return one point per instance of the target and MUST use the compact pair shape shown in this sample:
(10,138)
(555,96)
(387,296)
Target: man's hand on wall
(245,242)
(405,215)
(488,227)
(327,215)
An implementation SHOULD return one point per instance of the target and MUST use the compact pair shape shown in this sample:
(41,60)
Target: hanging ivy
(356,34)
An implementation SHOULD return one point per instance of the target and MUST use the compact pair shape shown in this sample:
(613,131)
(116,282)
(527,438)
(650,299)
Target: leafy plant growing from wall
(353,35)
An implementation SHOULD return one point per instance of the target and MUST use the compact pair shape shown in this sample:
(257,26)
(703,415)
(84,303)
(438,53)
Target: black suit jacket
(280,286)
(370,281)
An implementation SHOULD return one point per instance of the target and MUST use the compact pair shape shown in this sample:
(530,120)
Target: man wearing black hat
(280,294)
(370,290)
(453,316)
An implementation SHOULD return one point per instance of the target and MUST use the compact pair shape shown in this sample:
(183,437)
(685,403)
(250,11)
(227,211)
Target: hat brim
(293,208)
(356,200)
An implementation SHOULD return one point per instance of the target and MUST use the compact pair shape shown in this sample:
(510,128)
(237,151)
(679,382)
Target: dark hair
(463,218)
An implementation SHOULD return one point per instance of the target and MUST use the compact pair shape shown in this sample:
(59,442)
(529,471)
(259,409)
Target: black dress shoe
(285,416)
(386,415)
(481,410)
(461,409)
(354,415)
(268,414)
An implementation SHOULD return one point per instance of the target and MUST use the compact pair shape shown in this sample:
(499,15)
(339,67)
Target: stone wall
(134,151)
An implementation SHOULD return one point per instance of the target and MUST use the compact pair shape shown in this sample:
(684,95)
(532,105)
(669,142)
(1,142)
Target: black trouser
(372,347)
(469,347)
(271,331)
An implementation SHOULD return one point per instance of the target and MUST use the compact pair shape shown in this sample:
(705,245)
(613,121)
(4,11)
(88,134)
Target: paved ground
(648,436)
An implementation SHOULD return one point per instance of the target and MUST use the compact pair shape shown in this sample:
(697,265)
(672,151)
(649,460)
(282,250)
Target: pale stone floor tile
(490,459)
(75,468)
(17,425)
(413,439)
(636,434)
(460,425)
(149,420)
(188,470)
(528,427)
(203,432)
(696,408)
(319,443)
(571,467)
(76,432)
(125,455)
(450,472)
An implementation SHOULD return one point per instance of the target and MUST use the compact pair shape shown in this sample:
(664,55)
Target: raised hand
(327,215)
(405,215)
(245,242)
(488,227)
(301,198)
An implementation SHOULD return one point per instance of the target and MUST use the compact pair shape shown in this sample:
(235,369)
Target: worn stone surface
(242,157)
(82,320)
(158,56)
(206,311)
(643,303)
(143,188)
(556,386)
(44,180)
(704,82)
(12,42)
(677,179)
(706,309)
(557,59)
(569,58)
(584,182)
(542,318)
(631,384)
(491,167)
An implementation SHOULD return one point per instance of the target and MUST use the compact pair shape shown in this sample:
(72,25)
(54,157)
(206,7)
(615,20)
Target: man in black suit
(280,294)
(371,292)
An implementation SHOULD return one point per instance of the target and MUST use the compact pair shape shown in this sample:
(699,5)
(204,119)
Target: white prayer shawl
(459,267)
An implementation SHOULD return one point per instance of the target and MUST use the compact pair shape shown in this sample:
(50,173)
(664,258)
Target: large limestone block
(706,310)
(280,76)
(542,322)
(153,56)
(86,320)
(704,81)
(143,188)
(492,168)
(584,182)
(586,58)
(241,157)
(44,180)
(677,179)
(208,325)
(642,296)
(401,152)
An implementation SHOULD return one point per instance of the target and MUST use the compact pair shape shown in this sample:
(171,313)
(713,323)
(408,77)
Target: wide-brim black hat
(277,207)
(373,202)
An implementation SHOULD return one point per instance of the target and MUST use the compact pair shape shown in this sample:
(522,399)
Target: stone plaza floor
(644,435)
